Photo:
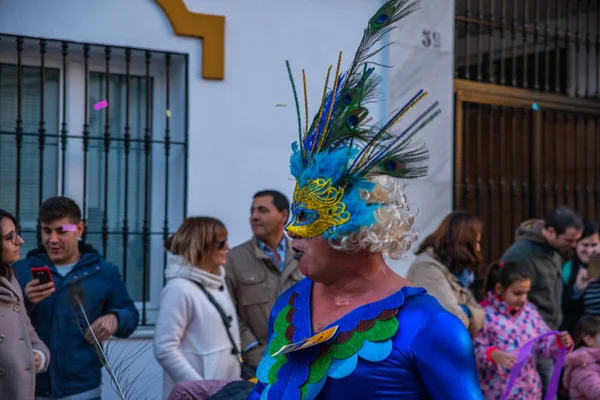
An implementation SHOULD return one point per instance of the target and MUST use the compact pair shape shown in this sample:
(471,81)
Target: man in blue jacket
(75,371)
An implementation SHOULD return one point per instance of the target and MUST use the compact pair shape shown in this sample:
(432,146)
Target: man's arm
(120,304)
(445,359)
(252,349)
(261,385)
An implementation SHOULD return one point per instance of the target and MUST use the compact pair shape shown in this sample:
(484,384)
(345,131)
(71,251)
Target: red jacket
(582,374)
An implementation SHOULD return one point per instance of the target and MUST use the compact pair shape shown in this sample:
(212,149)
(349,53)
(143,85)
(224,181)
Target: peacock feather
(341,149)
(340,119)
(117,360)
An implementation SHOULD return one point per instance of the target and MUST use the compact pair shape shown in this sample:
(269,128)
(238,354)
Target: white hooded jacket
(190,340)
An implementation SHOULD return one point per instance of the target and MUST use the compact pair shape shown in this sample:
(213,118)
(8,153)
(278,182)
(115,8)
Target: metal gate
(514,161)
(527,104)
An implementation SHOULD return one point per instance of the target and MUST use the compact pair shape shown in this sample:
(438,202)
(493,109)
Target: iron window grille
(125,165)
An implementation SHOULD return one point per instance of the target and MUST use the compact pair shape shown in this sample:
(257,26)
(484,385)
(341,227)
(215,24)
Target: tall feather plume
(379,25)
(117,359)
(341,120)
(297,103)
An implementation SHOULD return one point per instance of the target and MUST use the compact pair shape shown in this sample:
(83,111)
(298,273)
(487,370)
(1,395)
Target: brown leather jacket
(255,283)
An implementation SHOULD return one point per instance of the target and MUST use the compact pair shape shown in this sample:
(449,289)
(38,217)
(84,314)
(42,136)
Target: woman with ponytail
(510,322)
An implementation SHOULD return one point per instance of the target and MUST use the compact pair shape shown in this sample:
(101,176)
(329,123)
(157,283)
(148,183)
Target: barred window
(29,155)
(125,164)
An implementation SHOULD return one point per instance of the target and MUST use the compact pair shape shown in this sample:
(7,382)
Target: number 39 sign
(431,39)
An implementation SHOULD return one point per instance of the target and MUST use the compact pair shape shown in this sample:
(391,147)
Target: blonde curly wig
(393,232)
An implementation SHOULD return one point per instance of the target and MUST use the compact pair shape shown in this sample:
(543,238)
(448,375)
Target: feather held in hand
(77,295)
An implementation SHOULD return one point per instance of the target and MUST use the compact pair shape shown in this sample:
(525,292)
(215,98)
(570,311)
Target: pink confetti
(69,228)
(100,105)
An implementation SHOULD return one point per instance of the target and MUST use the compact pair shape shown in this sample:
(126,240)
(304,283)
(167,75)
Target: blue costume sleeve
(446,359)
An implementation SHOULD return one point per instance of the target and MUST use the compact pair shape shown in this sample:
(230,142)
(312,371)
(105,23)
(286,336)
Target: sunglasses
(221,245)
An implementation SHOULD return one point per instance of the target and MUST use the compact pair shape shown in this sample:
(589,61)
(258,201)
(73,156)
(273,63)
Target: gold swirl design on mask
(317,207)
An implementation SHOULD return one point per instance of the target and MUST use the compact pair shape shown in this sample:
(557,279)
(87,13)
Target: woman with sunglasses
(191,341)
(22,353)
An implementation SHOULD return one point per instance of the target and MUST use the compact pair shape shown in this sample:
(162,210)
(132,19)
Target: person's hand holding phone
(583,280)
(36,291)
(593,266)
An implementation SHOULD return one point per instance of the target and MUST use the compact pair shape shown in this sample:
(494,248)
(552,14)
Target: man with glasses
(259,270)
(75,371)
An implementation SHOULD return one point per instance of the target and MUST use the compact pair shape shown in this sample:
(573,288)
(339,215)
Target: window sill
(142,333)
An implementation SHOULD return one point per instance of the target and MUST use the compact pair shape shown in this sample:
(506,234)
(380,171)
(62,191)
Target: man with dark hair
(539,246)
(259,270)
(75,371)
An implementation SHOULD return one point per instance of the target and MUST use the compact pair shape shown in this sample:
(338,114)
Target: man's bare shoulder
(399,282)
(393,283)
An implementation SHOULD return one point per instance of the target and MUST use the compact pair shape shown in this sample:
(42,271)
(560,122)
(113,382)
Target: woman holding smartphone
(22,353)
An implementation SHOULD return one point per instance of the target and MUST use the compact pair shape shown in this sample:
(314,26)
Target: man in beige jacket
(259,270)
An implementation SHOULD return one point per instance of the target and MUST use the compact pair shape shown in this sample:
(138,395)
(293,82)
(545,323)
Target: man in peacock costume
(353,329)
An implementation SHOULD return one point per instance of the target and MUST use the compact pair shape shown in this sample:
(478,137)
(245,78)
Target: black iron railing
(125,164)
(550,46)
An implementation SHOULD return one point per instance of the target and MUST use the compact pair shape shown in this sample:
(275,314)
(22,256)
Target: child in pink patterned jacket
(510,322)
(582,367)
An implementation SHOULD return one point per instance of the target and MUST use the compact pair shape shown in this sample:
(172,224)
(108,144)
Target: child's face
(592,341)
(516,294)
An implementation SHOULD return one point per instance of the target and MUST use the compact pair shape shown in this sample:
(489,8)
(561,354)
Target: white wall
(418,66)
(239,140)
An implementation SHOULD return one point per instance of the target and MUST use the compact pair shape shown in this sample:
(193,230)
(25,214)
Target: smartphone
(42,273)
(594,266)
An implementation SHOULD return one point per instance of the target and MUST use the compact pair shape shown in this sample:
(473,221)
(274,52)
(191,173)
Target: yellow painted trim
(210,28)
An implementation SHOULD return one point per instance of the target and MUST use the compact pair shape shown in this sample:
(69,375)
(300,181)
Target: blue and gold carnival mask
(317,206)
(337,155)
